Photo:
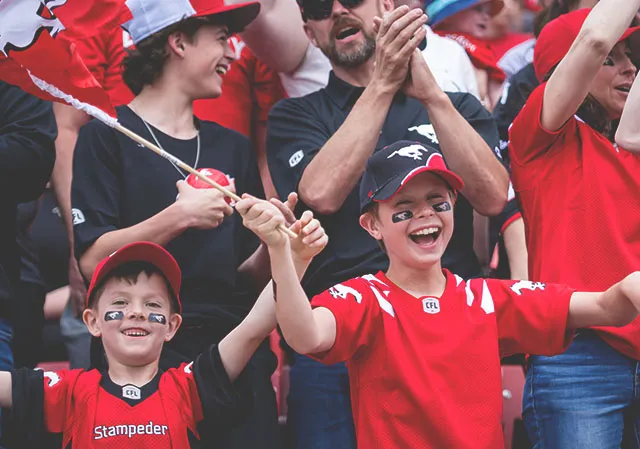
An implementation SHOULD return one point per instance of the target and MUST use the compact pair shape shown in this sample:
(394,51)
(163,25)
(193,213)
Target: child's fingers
(245,204)
(306,218)
(284,209)
(292,201)
(311,227)
(317,234)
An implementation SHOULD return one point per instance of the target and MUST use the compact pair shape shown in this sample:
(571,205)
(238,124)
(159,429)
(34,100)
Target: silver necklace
(195,165)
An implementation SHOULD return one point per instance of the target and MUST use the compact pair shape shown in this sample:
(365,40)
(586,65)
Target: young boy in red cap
(133,306)
(422,345)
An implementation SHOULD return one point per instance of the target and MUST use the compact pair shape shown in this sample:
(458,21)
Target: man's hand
(263,219)
(398,34)
(77,288)
(204,208)
(420,83)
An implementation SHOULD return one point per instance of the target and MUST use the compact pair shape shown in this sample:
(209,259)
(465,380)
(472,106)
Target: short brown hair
(143,65)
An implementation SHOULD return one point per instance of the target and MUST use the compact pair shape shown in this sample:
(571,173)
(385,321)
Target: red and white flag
(37,52)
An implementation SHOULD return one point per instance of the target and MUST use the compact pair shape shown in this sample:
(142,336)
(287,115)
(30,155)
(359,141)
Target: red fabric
(425,372)
(480,52)
(249,90)
(505,43)
(103,54)
(77,406)
(579,197)
(29,38)
(532,5)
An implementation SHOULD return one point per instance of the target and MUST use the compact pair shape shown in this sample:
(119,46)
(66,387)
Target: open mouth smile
(426,235)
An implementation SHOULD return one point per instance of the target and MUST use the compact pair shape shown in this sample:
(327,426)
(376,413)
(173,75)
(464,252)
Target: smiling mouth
(347,32)
(425,236)
(624,89)
(220,70)
(135,332)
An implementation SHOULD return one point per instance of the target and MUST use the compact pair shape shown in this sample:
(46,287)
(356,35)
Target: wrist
(180,218)
(434,100)
(381,89)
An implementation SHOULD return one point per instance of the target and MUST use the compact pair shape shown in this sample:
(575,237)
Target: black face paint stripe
(401,216)
(445,206)
(115,315)
(157,318)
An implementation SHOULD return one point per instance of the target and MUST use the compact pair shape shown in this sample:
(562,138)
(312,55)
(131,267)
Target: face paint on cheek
(157,318)
(401,216)
(445,206)
(112,316)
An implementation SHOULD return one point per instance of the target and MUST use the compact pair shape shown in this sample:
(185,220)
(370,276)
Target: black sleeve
(499,223)
(294,137)
(27,143)
(95,189)
(23,424)
(224,404)
(479,118)
(516,93)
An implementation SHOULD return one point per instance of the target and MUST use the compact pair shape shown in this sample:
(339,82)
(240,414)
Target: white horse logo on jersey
(53,378)
(526,285)
(342,291)
(22,21)
(427,131)
(412,151)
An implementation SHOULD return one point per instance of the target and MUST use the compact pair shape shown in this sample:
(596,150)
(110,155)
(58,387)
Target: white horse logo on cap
(412,151)
(22,21)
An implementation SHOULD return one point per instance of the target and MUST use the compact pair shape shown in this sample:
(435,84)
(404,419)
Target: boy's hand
(311,237)
(263,219)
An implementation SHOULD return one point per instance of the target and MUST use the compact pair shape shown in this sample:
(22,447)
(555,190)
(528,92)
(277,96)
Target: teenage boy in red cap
(133,306)
(422,345)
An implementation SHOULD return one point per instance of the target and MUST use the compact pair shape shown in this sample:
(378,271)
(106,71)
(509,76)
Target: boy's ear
(175,320)
(371,225)
(90,318)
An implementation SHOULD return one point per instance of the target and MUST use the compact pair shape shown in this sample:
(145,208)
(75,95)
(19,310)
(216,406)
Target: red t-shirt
(249,90)
(85,409)
(580,199)
(103,54)
(425,372)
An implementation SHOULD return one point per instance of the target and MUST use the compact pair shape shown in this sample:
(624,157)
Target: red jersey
(103,53)
(580,199)
(425,372)
(249,90)
(85,409)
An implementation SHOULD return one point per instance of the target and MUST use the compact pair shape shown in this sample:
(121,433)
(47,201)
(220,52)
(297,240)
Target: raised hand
(263,219)
(398,34)
(311,240)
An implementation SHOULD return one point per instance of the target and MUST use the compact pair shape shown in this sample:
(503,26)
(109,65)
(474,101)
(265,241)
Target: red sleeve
(528,140)
(267,89)
(357,313)
(531,316)
(113,41)
(58,387)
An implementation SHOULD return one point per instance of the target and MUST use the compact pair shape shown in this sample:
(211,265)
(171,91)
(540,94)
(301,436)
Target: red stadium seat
(53,366)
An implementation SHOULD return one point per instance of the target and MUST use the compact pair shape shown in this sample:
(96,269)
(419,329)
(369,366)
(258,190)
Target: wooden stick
(170,157)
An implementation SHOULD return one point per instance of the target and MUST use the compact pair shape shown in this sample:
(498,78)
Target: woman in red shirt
(580,199)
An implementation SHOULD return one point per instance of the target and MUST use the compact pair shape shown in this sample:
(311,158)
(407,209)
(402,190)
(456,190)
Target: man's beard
(355,56)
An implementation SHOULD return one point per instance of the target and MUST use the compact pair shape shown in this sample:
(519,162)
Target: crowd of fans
(532,105)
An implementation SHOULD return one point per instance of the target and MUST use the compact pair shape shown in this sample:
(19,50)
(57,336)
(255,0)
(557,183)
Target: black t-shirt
(117,183)
(29,263)
(297,130)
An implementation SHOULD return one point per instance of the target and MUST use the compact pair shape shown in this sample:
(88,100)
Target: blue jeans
(319,406)
(586,398)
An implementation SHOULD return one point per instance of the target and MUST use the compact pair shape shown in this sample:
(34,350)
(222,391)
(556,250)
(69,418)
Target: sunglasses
(321,9)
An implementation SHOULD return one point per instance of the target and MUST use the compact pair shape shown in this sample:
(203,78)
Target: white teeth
(221,70)
(425,231)
(135,333)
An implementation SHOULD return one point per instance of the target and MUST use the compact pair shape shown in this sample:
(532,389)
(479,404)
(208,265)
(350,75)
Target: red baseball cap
(151,16)
(533,5)
(148,252)
(556,39)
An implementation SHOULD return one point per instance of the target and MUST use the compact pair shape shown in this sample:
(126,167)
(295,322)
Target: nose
(425,210)
(338,9)
(628,66)
(135,312)
(229,52)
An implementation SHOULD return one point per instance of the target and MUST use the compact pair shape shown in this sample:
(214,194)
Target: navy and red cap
(148,252)
(390,168)
(557,36)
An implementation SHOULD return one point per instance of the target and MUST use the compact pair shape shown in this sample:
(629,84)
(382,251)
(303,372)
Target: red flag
(35,56)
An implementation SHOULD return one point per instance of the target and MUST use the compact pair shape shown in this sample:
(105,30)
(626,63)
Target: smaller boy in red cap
(133,306)
(422,345)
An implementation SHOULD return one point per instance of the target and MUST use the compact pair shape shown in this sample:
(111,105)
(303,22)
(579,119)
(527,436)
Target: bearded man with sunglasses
(380,91)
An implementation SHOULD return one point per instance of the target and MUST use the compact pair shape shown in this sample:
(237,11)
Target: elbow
(493,207)
(87,264)
(596,40)
(319,199)
(628,141)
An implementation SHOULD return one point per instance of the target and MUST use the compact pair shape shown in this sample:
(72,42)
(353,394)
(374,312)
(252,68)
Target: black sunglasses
(321,9)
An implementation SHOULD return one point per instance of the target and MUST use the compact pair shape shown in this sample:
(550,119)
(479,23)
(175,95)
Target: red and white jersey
(425,372)
(580,200)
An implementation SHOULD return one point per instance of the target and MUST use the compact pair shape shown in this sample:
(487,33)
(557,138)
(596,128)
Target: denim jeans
(319,406)
(586,398)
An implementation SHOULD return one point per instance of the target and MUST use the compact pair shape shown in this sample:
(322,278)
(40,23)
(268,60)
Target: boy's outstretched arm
(306,330)
(263,218)
(618,306)
(6,389)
